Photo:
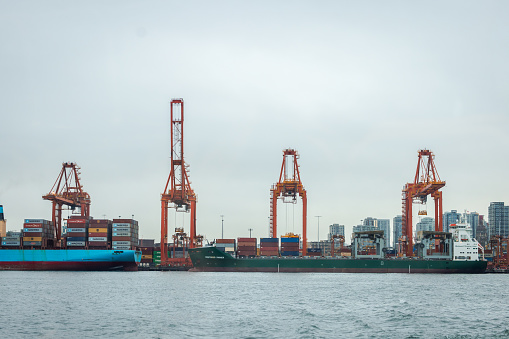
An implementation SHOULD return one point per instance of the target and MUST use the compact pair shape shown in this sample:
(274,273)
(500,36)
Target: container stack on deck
(269,246)
(99,234)
(227,244)
(125,234)
(38,233)
(77,232)
(314,252)
(147,252)
(289,246)
(12,239)
(246,247)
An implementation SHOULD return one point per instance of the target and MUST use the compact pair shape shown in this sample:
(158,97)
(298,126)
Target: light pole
(318,218)
(250,229)
(222,226)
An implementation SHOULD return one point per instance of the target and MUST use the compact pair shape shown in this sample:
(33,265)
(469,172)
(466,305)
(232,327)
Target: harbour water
(252,305)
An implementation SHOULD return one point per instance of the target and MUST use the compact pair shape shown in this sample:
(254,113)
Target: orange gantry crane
(288,186)
(426,182)
(178,187)
(67,191)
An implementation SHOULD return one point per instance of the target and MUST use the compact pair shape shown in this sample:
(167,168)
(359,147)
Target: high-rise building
(385,225)
(336,229)
(426,224)
(498,218)
(452,217)
(481,234)
(397,225)
(473,221)
(369,221)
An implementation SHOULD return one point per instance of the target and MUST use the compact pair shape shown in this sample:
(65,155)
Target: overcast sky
(356,87)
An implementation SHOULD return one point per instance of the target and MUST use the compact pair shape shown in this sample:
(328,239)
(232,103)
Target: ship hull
(69,260)
(210,259)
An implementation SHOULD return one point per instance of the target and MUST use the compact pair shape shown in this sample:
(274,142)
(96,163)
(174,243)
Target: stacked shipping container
(246,247)
(269,246)
(290,246)
(12,239)
(124,234)
(38,233)
(99,234)
(77,232)
(227,244)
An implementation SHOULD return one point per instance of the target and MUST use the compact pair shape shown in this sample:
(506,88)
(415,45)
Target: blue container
(269,240)
(290,253)
(76,238)
(314,250)
(289,240)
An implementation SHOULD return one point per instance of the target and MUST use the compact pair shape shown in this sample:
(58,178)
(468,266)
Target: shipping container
(122,224)
(121,247)
(76,243)
(290,253)
(250,240)
(97,243)
(76,239)
(35,225)
(97,238)
(81,230)
(32,243)
(96,234)
(32,239)
(121,243)
(77,221)
(11,243)
(289,240)
(30,230)
(98,230)
(121,238)
(36,221)
(225,241)
(76,234)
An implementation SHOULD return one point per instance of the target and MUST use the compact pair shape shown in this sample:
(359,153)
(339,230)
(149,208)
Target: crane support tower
(178,187)
(288,186)
(426,182)
(67,191)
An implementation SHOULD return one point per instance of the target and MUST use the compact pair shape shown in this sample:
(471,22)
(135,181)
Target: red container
(269,245)
(244,243)
(76,221)
(97,234)
(121,238)
(34,234)
(246,253)
(97,243)
(32,225)
(246,248)
(124,221)
(251,240)
(76,234)
(269,253)
(225,241)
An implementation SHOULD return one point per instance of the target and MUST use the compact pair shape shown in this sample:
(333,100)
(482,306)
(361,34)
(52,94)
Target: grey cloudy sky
(356,87)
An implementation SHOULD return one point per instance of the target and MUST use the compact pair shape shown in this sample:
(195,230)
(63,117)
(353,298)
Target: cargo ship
(436,252)
(69,260)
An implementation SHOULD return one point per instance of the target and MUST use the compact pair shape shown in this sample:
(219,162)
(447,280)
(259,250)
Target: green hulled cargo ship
(212,259)
(437,252)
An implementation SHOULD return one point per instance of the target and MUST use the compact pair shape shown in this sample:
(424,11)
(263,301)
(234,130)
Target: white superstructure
(465,247)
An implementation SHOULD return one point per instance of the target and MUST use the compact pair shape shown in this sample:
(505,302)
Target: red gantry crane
(178,187)
(67,191)
(426,182)
(288,186)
